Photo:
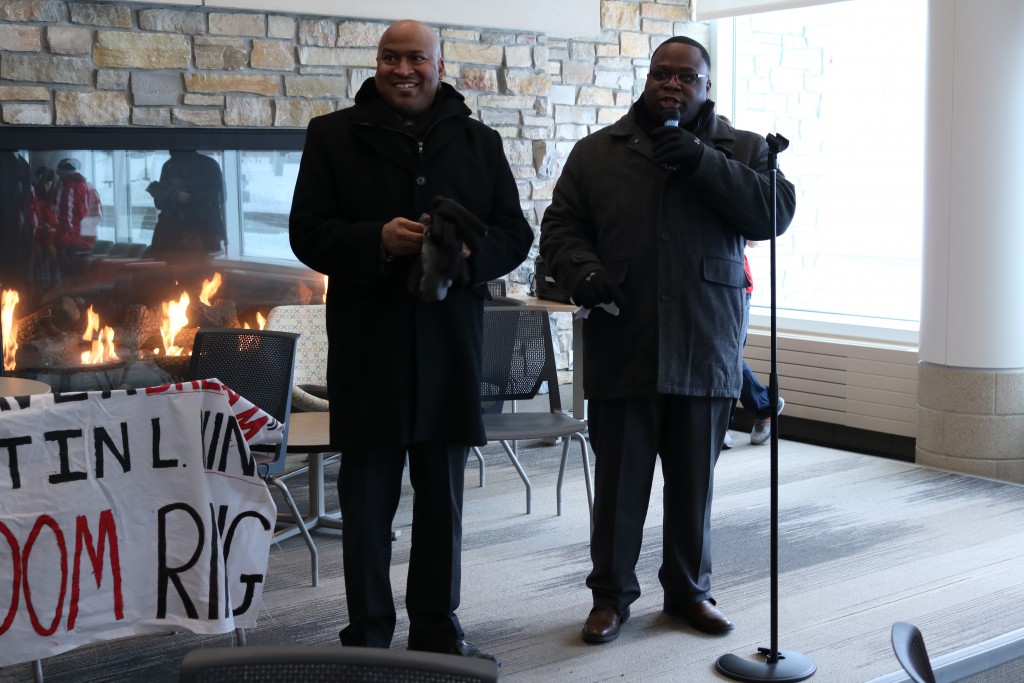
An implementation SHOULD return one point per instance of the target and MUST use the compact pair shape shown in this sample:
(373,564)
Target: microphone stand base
(790,666)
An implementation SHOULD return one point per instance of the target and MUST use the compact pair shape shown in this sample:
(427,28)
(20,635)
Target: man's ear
(440,70)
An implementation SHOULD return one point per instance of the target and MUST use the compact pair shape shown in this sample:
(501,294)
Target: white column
(973,296)
(971,376)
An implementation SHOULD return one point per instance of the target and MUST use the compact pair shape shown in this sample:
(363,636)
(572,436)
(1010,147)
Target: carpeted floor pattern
(864,542)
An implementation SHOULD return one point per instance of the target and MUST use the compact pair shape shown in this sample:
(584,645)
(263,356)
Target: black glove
(676,148)
(598,288)
(468,227)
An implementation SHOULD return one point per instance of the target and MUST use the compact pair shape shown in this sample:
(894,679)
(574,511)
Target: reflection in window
(266,182)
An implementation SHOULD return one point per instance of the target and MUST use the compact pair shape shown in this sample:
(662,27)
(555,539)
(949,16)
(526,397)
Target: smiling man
(403,372)
(653,218)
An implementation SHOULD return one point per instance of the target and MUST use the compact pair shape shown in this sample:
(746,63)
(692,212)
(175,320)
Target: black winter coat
(402,371)
(674,243)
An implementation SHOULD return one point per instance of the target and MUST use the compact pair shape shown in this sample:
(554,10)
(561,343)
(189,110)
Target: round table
(18,386)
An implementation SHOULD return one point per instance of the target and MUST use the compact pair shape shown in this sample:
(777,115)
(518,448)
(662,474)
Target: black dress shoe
(603,624)
(455,647)
(703,616)
(464,649)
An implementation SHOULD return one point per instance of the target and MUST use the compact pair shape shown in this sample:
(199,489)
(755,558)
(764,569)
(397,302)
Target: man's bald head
(409,67)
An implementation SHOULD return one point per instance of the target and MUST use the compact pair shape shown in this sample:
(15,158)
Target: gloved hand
(598,288)
(676,148)
(468,227)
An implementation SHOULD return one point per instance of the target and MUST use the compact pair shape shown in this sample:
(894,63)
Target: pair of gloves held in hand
(440,264)
(598,288)
(673,147)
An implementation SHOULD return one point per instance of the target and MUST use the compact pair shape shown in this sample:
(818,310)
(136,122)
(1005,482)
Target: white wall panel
(707,10)
(871,387)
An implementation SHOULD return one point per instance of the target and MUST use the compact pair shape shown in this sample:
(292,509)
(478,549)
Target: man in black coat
(404,371)
(647,226)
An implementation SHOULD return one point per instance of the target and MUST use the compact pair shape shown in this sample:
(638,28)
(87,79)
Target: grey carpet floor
(864,542)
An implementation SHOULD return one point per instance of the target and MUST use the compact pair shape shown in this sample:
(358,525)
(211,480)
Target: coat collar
(712,129)
(370,106)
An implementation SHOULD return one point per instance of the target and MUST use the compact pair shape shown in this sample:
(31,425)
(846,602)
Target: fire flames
(9,328)
(175,318)
(102,339)
(209,288)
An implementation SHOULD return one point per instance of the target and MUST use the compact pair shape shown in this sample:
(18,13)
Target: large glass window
(844,82)
(267,180)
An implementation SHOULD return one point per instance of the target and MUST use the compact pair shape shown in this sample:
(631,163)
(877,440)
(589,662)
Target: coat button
(666,297)
(420,180)
(665,237)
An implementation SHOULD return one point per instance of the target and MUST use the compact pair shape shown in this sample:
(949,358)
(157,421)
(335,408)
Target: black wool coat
(674,244)
(400,370)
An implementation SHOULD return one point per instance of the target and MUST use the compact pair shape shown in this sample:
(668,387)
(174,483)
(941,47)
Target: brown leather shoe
(703,616)
(602,626)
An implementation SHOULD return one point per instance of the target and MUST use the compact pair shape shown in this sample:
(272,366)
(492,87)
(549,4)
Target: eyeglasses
(684,77)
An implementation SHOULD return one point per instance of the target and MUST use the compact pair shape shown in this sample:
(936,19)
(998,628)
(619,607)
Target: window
(266,181)
(844,82)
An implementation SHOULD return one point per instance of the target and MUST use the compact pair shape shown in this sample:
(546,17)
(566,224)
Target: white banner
(129,512)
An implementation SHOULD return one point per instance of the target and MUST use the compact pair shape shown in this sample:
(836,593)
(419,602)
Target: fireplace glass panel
(140,237)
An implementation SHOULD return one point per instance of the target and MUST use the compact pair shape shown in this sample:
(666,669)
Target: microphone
(670,117)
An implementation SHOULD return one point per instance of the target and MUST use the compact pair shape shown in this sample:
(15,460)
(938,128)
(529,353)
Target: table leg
(316,495)
(579,403)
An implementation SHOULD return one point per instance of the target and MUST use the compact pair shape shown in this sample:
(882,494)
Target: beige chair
(310,323)
(309,388)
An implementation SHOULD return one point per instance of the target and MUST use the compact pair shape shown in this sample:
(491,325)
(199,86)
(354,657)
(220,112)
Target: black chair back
(258,364)
(908,644)
(517,353)
(310,664)
(496,287)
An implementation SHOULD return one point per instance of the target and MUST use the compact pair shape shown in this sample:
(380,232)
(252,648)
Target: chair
(312,664)
(497,288)
(518,357)
(908,644)
(259,365)
(499,295)
(310,323)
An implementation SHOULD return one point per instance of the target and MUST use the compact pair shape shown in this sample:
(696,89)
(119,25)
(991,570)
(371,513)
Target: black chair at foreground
(259,365)
(908,644)
(518,357)
(311,664)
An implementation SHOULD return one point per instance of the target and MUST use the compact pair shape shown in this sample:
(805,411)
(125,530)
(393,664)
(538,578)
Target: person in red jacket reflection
(78,214)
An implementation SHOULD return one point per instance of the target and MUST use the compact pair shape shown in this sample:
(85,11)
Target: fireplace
(116,245)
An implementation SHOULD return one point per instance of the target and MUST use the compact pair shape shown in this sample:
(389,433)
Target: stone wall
(66,63)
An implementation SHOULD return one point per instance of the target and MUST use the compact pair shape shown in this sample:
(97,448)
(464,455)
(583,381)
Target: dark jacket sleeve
(509,236)
(320,235)
(567,240)
(738,185)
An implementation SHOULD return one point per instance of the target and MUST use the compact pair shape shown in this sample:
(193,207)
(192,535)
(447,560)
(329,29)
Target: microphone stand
(778,664)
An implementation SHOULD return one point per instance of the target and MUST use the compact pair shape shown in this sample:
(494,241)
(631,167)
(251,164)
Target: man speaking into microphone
(652,214)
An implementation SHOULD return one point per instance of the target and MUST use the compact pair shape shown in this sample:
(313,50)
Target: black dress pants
(627,436)
(369,487)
